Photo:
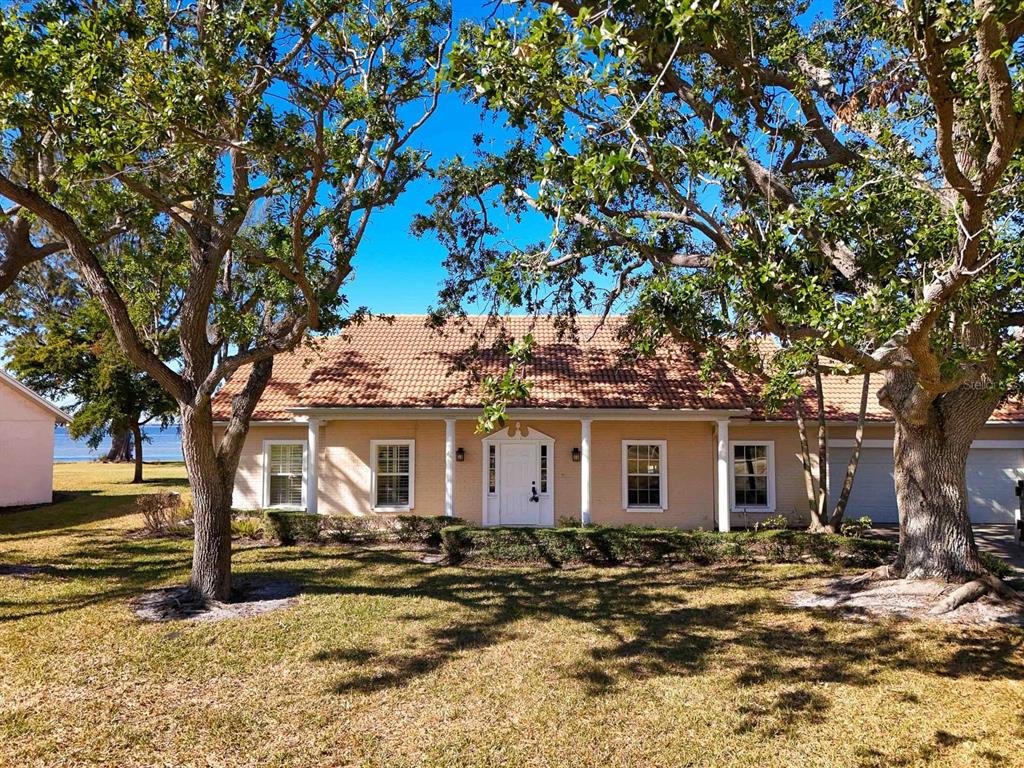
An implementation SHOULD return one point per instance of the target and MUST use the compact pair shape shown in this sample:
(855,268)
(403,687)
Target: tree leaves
(795,164)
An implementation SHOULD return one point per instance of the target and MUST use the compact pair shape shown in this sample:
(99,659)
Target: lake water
(162,445)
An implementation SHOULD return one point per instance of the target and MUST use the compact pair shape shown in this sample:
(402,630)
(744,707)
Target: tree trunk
(821,523)
(211,504)
(211,473)
(930,459)
(936,538)
(810,482)
(137,439)
(120,446)
(851,465)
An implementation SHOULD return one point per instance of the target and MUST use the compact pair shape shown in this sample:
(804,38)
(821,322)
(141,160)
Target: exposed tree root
(880,592)
(881,573)
(962,595)
(975,590)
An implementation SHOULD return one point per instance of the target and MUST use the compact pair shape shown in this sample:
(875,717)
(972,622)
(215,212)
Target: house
(26,444)
(383,419)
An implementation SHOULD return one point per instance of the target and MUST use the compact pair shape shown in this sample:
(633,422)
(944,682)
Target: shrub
(601,545)
(164,514)
(417,529)
(185,509)
(855,528)
(773,523)
(349,528)
(289,526)
(995,565)
(247,527)
(377,529)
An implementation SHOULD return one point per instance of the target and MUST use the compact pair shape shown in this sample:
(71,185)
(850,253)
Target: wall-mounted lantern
(460,454)
(576,454)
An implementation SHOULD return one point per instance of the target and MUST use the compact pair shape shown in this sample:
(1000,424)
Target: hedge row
(289,527)
(600,545)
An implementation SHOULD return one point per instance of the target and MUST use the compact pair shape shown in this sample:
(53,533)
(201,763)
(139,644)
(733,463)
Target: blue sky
(395,272)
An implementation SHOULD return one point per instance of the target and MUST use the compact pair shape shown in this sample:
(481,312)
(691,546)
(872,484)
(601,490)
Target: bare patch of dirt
(853,596)
(251,598)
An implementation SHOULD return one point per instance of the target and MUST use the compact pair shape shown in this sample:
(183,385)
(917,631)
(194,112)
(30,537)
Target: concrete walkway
(998,540)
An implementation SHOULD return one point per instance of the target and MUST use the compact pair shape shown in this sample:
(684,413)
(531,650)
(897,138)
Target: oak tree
(265,134)
(848,185)
(61,344)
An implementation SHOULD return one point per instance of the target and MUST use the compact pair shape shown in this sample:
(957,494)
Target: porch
(643,468)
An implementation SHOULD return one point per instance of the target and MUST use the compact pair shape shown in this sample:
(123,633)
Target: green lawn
(390,662)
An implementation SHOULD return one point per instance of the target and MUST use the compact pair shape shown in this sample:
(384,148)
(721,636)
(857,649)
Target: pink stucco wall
(344,474)
(26,449)
(344,467)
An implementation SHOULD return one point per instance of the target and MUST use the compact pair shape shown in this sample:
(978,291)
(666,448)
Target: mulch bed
(251,598)
(852,596)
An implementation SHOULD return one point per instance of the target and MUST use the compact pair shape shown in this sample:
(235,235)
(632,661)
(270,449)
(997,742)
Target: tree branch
(98,281)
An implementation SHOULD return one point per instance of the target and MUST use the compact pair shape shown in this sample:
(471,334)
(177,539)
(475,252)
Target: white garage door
(874,492)
(991,476)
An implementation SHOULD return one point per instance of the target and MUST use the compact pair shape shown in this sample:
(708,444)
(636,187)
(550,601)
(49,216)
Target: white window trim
(770,444)
(266,474)
(663,476)
(412,476)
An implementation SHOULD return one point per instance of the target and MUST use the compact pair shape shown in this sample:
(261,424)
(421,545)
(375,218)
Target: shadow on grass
(927,752)
(646,622)
(91,572)
(74,509)
(651,624)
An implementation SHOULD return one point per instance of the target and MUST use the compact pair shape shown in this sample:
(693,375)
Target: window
(393,465)
(753,475)
(543,469)
(285,463)
(492,467)
(644,483)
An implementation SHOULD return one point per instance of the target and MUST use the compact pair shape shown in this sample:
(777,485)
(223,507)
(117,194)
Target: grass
(390,662)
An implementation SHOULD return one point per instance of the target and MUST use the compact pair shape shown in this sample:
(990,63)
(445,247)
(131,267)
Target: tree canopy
(61,344)
(262,135)
(848,185)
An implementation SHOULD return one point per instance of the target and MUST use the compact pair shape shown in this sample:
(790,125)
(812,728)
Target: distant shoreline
(146,462)
(163,445)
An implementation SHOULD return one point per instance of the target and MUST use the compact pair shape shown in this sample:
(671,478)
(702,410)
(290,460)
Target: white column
(312,462)
(449,467)
(585,471)
(722,495)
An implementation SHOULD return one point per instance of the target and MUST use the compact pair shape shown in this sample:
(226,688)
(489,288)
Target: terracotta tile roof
(842,402)
(406,364)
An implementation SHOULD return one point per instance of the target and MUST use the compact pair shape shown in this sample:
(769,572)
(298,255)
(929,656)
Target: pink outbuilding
(27,424)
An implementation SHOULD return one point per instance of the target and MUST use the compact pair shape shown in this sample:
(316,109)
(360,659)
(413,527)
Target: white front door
(520,503)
